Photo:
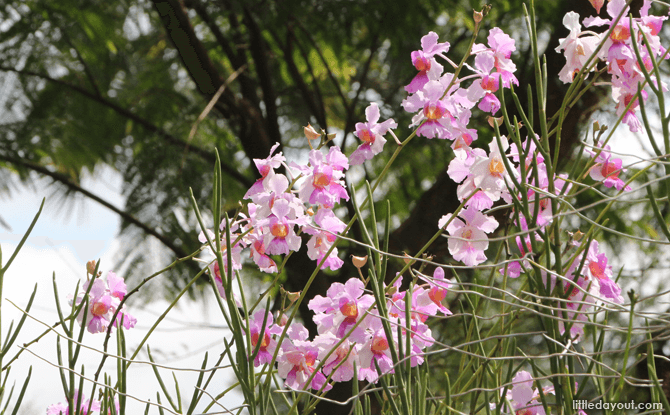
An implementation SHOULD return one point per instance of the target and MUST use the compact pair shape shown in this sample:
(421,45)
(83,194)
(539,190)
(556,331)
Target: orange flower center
(437,294)
(310,359)
(321,180)
(496,166)
(422,64)
(349,309)
(341,352)
(489,83)
(279,230)
(379,344)
(596,270)
(620,33)
(99,309)
(609,169)
(433,112)
(265,343)
(367,136)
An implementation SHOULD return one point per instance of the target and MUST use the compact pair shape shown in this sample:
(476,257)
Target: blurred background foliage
(120,83)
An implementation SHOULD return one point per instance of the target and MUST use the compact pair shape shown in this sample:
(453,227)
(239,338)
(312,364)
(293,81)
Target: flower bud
(596,126)
(495,121)
(477,16)
(359,261)
(282,319)
(311,133)
(391,290)
(90,267)
(597,4)
(292,296)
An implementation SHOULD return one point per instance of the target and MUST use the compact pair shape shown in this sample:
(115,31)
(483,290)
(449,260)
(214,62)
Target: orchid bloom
(372,135)
(468,240)
(424,61)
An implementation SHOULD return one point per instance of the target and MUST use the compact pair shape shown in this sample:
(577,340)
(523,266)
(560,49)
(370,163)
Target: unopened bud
(596,126)
(477,16)
(407,258)
(597,4)
(282,320)
(359,261)
(90,267)
(391,290)
(311,133)
(493,121)
(578,235)
(292,296)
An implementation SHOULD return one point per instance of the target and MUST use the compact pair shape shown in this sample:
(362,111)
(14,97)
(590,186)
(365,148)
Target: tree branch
(345,104)
(252,127)
(259,55)
(349,125)
(237,60)
(81,60)
(209,157)
(61,178)
(300,83)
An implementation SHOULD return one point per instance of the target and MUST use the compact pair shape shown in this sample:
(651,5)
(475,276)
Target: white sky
(64,247)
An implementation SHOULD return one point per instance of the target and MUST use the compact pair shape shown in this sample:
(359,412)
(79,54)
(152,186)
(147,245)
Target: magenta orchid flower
(468,240)
(266,169)
(279,235)
(64,408)
(489,172)
(344,305)
(264,262)
(577,49)
(345,356)
(433,109)
(323,183)
(298,361)
(483,89)
(596,268)
(375,349)
(322,239)
(607,169)
(102,304)
(424,61)
(371,134)
(266,344)
(438,290)
(502,46)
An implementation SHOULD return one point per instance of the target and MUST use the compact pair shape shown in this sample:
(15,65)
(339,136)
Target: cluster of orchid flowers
(443,108)
(82,406)
(483,176)
(98,301)
(617,51)
(485,180)
(278,214)
(351,336)
(300,199)
(588,278)
(523,399)
(103,298)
